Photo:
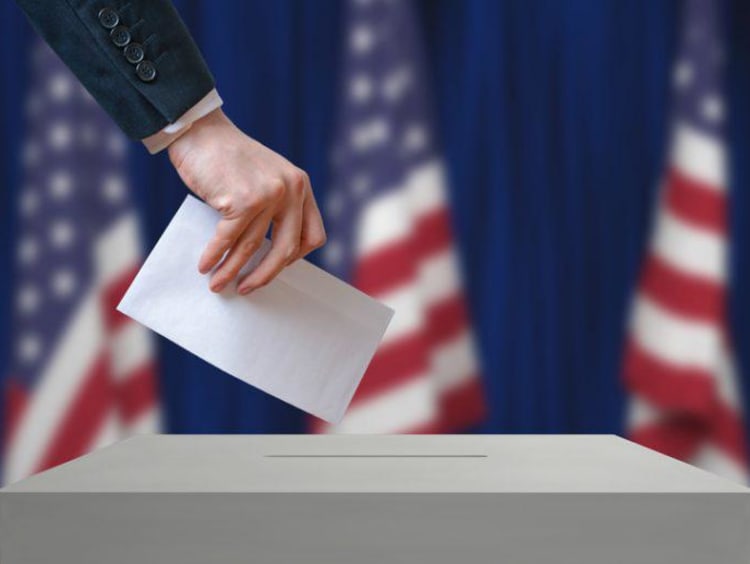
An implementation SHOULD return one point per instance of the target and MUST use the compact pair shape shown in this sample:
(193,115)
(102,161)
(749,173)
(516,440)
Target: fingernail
(245,290)
(215,286)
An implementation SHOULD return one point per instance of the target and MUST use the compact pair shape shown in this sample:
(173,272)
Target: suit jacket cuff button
(120,36)
(108,18)
(146,71)
(134,53)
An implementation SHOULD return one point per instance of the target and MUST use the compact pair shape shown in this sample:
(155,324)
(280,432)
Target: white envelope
(306,338)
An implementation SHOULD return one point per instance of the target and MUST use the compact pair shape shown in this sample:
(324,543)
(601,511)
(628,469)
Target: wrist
(207,127)
(163,138)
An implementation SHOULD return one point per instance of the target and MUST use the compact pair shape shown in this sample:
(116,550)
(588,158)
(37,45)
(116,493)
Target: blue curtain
(553,120)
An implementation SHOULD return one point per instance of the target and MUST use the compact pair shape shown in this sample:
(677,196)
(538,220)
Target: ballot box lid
(347,463)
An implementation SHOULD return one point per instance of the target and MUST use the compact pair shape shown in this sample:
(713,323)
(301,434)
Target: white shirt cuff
(162,139)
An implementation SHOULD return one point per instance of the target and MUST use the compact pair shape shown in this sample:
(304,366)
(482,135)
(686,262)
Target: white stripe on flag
(439,280)
(676,340)
(699,156)
(109,433)
(425,187)
(385,220)
(641,413)
(455,362)
(689,249)
(711,458)
(118,250)
(726,380)
(148,423)
(391,217)
(399,409)
(439,277)
(408,318)
(80,345)
(131,348)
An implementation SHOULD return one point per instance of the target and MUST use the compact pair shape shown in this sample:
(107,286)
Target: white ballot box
(374,500)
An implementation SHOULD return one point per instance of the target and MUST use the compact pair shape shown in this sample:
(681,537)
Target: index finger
(284,246)
(227,232)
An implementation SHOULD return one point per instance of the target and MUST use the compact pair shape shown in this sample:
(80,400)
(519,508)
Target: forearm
(136,58)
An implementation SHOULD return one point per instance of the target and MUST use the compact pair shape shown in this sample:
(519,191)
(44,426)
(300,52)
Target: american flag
(678,364)
(390,232)
(82,375)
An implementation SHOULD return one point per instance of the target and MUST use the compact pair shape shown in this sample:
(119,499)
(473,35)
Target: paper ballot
(306,338)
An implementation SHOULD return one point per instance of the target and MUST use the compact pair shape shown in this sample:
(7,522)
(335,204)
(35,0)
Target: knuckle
(296,176)
(298,181)
(247,200)
(223,204)
(318,240)
(235,204)
(224,273)
(248,246)
(276,189)
(291,252)
(233,268)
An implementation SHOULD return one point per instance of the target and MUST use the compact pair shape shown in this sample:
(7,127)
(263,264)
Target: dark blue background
(553,117)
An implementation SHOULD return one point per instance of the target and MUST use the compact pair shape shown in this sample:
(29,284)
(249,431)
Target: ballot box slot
(375,456)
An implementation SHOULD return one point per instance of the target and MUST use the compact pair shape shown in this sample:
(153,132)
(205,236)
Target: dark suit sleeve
(135,57)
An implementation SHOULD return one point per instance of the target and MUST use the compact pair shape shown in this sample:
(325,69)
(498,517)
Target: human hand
(252,187)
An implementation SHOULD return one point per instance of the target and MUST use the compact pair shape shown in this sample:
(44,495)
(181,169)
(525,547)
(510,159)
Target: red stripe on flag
(317,426)
(393,365)
(84,417)
(695,202)
(137,393)
(676,436)
(447,319)
(386,268)
(728,433)
(111,296)
(681,435)
(667,386)
(462,406)
(683,294)
(434,232)
(16,400)
(396,264)
(428,428)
